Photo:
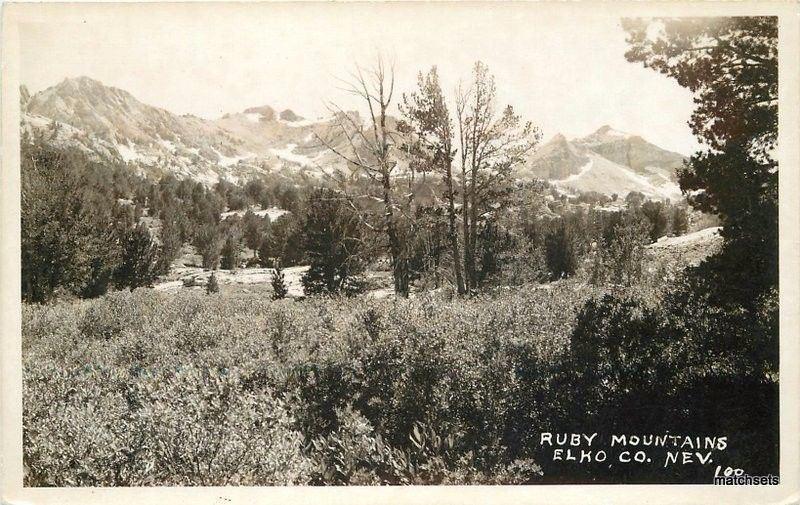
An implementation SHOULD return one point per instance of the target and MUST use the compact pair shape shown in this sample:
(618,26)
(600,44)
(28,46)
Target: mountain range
(111,123)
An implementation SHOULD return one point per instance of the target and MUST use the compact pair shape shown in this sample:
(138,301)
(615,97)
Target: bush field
(147,388)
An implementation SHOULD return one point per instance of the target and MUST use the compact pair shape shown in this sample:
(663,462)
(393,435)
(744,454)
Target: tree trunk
(399,262)
(465,233)
(452,234)
(399,270)
(473,219)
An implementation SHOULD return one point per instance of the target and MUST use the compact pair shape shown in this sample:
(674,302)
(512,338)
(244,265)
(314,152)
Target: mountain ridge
(607,161)
(110,122)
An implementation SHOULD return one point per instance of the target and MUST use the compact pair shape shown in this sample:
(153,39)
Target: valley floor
(668,252)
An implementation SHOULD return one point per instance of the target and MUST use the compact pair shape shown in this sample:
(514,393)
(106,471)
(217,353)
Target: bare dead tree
(367,147)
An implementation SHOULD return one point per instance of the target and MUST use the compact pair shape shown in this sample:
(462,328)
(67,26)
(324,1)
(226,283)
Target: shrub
(671,360)
(212,286)
(278,282)
(139,258)
(191,427)
(365,391)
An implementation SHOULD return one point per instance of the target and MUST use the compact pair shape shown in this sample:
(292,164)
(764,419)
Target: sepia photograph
(399,244)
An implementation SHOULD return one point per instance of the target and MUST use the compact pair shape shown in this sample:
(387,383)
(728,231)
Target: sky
(561,68)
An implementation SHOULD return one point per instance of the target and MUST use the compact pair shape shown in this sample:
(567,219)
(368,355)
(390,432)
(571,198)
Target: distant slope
(609,162)
(110,123)
(689,249)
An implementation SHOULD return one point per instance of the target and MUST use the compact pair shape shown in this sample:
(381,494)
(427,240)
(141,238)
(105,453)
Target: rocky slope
(110,123)
(607,161)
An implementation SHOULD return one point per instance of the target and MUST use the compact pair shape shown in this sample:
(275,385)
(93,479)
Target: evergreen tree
(731,65)
(619,257)
(656,214)
(561,251)
(208,245)
(69,239)
(139,258)
(257,192)
(254,230)
(229,259)
(680,220)
(634,199)
(433,150)
(332,242)
(170,240)
(284,240)
(212,286)
(493,141)
(278,282)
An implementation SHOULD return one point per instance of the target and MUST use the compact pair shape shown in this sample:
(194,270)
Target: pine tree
(560,251)
(212,286)
(170,240)
(656,214)
(279,288)
(492,142)
(69,240)
(229,259)
(731,66)
(208,245)
(139,258)
(429,119)
(332,242)
(680,221)
(254,230)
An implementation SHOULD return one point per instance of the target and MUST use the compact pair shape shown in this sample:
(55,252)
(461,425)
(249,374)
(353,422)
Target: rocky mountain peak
(113,124)
(267,112)
(606,133)
(289,115)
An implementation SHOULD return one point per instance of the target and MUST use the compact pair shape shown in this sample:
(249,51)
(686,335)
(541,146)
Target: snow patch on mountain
(272,212)
(169,145)
(302,123)
(704,235)
(607,177)
(617,133)
(227,161)
(288,154)
(128,152)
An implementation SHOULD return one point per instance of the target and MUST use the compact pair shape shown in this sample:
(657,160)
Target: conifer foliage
(139,258)
(731,65)
(333,242)
(278,282)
